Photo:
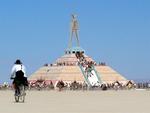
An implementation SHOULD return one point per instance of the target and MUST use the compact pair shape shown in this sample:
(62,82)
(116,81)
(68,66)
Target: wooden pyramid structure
(66,67)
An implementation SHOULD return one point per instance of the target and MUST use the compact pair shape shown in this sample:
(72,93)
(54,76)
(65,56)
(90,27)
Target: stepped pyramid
(66,67)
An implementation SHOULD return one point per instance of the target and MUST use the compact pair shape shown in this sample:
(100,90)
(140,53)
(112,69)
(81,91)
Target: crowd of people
(88,69)
(78,55)
(61,85)
(87,66)
(40,85)
(73,64)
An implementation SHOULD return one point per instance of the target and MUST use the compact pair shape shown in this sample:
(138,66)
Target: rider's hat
(18,62)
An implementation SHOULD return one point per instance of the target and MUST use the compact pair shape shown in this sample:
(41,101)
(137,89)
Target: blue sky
(114,31)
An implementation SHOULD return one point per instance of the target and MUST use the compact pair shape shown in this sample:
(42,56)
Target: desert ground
(133,101)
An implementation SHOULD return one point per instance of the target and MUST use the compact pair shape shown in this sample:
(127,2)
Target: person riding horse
(18,74)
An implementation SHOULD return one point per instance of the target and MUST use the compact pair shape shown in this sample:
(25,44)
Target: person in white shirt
(18,74)
(17,67)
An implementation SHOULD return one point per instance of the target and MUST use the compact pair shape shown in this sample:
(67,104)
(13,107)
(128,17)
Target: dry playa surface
(134,101)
